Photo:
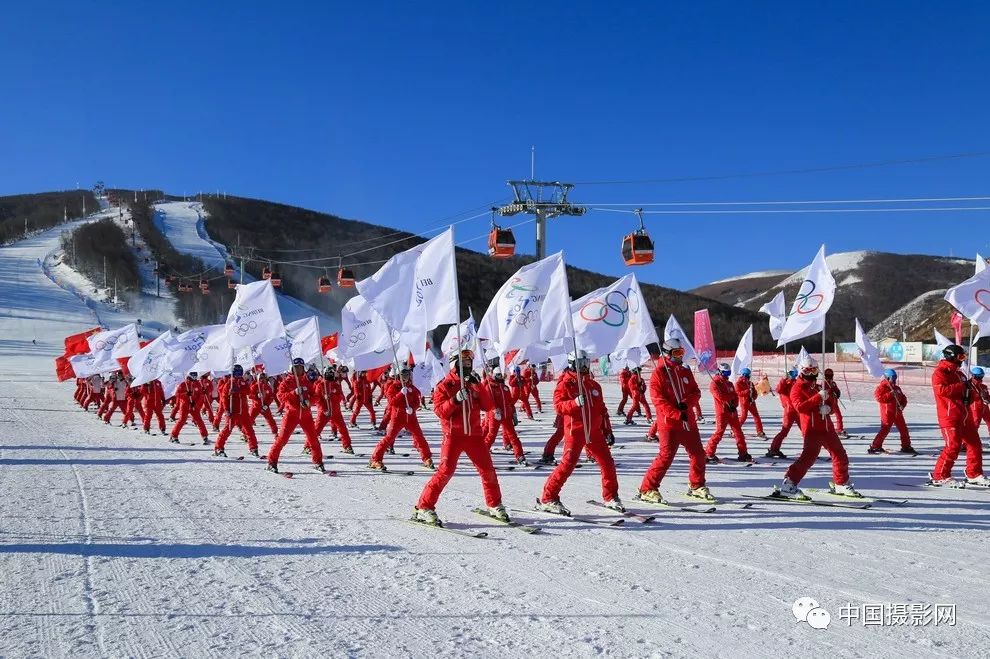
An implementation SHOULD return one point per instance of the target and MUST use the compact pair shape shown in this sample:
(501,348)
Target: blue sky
(406,113)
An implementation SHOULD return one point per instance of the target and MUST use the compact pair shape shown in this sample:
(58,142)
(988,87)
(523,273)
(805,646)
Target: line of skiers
(582,421)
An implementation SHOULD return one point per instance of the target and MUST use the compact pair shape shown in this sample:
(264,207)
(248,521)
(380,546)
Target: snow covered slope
(182,223)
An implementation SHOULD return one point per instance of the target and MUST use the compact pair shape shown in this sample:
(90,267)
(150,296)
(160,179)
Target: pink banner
(957,319)
(704,341)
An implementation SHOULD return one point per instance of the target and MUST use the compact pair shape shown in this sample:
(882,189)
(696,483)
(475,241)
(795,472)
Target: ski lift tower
(544,199)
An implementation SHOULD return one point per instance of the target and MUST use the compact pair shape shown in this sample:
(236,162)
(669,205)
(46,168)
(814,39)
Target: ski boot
(651,438)
(610,440)
(254,453)
(788,490)
(548,460)
(352,425)
(979,481)
(949,482)
(762,435)
(650,496)
(499,513)
(377,466)
(272,467)
(173,440)
(348,451)
(701,420)
(206,441)
(555,507)
(875,451)
(713,460)
(908,450)
(390,450)
(744,457)
(616,505)
(426,516)
(219,453)
(775,454)
(846,490)
(428,463)
(521,461)
(843,434)
(629,422)
(320,468)
(147,432)
(702,493)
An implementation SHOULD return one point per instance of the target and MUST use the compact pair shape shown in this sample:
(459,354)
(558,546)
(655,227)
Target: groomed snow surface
(113,543)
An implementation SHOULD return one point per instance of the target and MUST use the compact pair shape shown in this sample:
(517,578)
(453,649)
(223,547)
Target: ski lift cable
(906,200)
(758,211)
(804,170)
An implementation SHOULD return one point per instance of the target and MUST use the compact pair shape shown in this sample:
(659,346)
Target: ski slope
(182,223)
(118,544)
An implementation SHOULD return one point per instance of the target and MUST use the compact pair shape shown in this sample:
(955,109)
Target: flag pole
(466,418)
(570,329)
(823,344)
(395,358)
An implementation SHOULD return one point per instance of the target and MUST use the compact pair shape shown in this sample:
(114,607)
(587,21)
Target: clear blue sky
(404,113)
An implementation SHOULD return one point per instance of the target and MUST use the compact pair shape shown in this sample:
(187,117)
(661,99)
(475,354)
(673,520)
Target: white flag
(254,316)
(305,337)
(813,301)
(147,364)
(942,340)
(364,331)
(182,353)
(631,358)
(274,354)
(868,352)
(416,290)
(981,263)
(532,306)
(215,353)
(468,340)
(613,318)
(246,357)
(108,346)
(85,365)
(672,330)
(972,299)
(777,310)
(744,353)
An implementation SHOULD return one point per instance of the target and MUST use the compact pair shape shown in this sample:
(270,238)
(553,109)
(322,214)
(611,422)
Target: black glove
(611,439)
(733,406)
(682,406)
(684,416)
(966,397)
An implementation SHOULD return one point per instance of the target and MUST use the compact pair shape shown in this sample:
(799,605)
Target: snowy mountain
(877,287)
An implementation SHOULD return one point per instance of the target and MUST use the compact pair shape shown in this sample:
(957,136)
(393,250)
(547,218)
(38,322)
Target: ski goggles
(811,371)
(677,353)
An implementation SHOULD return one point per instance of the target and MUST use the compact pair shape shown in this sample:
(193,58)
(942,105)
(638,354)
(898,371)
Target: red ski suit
(260,400)
(624,376)
(295,394)
(531,383)
(95,391)
(818,432)
(892,403)
(637,389)
(153,399)
(834,395)
(724,398)
(951,388)
(746,393)
(329,397)
(516,384)
(389,387)
(403,401)
(790,414)
(236,392)
(187,403)
(500,417)
(979,404)
(674,393)
(578,420)
(362,398)
(457,439)
(116,397)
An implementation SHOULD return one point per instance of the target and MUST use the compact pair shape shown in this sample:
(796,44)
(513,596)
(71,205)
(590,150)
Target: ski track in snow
(119,544)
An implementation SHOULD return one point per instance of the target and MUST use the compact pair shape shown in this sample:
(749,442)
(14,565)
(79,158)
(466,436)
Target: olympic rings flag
(107,346)
(868,352)
(972,299)
(613,318)
(813,301)
(254,316)
(365,341)
(148,363)
(531,307)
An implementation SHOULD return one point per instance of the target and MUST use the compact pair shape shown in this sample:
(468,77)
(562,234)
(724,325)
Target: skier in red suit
(187,404)
(236,391)
(153,397)
(892,402)
(836,393)
(362,398)
(979,406)
(953,394)
(500,417)
(746,393)
(624,376)
(790,414)
(637,389)
(295,393)
(329,396)
(725,401)
(404,400)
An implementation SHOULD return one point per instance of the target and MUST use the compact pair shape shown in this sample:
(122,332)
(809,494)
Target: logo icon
(807,301)
(807,609)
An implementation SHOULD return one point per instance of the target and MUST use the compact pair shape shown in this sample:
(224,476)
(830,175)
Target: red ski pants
(790,418)
(725,420)
(621,409)
(184,413)
(508,434)
(241,420)
(599,452)
(814,441)
(450,452)
(296,417)
(670,440)
(410,423)
(365,403)
(638,400)
(157,411)
(335,418)
(749,407)
(886,425)
(954,439)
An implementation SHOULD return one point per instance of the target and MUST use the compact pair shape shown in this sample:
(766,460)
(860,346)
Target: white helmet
(578,359)
(808,365)
(496,372)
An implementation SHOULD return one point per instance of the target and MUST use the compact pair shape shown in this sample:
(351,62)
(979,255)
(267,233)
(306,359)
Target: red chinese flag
(329,342)
(374,374)
(77,344)
(63,369)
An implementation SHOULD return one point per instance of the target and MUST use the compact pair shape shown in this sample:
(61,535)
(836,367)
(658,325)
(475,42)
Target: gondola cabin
(323,285)
(204,286)
(228,270)
(231,284)
(276,280)
(345,278)
(266,273)
(501,243)
(637,248)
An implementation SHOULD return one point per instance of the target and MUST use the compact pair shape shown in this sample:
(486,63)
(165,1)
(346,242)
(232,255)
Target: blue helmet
(724,370)
(746,372)
(977,372)
(792,373)
(890,374)
(238,370)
